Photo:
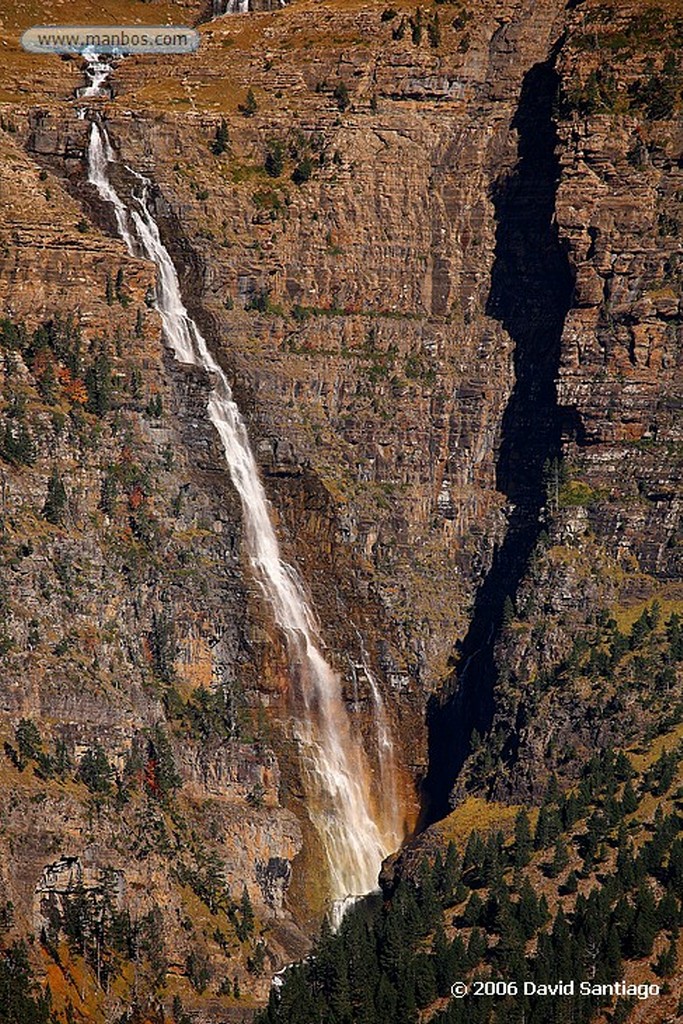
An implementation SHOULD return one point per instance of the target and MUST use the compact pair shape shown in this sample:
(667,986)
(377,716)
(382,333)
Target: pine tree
(473,913)
(552,792)
(562,946)
(443,961)
(392,949)
(16,442)
(95,770)
(180,1015)
(545,832)
(303,171)
(256,963)
(434,31)
(492,867)
(523,842)
(528,913)
(416,27)
(629,800)
(612,958)
(221,138)
(98,383)
(571,884)
(245,926)
(474,851)
(666,963)
(21,1002)
(275,159)
(62,760)
(407,1002)
(476,947)
(163,646)
(427,897)
(47,383)
(28,739)
(591,841)
(55,502)
(674,872)
(167,776)
(498,908)
(450,875)
(674,634)
(639,630)
(250,106)
(108,493)
(623,768)
(644,926)
(560,859)
(198,970)
(570,811)
(425,980)
(544,965)
(668,912)
(386,1002)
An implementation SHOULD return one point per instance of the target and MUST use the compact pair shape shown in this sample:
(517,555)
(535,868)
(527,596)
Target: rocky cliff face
(373,366)
(125,622)
(437,256)
(610,532)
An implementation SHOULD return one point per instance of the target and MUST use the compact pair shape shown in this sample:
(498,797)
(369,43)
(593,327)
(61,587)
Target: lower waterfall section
(348,816)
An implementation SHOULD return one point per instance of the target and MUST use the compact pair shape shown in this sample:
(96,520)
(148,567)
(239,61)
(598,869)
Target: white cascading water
(334,768)
(221,7)
(97,72)
(386,759)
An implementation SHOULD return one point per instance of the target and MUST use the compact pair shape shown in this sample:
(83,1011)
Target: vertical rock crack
(530,295)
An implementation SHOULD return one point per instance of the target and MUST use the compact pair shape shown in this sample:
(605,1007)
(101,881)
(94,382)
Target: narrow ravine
(358,824)
(530,295)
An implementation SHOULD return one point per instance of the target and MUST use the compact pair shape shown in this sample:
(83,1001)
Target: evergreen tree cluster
(31,748)
(150,764)
(626,679)
(70,388)
(106,937)
(60,362)
(21,1001)
(588,888)
(68,377)
(216,714)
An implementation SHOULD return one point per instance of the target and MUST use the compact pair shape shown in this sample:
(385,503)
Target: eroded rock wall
(455,339)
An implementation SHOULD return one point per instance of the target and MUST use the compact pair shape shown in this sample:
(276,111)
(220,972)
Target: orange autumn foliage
(136,498)
(74,387)
(77,391)
(151,780)
(40,362)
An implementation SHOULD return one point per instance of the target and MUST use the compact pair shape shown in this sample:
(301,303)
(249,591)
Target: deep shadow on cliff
(530,295)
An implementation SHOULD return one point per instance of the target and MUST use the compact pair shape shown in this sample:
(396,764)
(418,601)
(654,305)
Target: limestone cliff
(437,254)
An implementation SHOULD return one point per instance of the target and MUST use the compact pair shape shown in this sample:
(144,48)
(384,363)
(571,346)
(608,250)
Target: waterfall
(100,155)
(221,7)
(386,757)
(97,71)
(334,769)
